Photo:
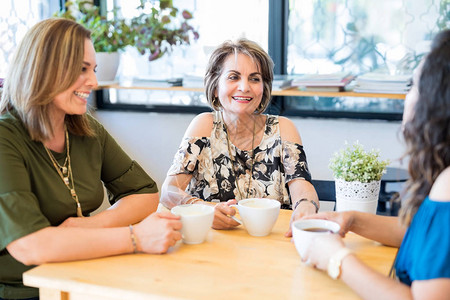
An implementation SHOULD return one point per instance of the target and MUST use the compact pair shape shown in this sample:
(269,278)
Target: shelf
(289,92)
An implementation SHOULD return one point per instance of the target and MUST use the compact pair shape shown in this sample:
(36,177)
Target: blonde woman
(54,160)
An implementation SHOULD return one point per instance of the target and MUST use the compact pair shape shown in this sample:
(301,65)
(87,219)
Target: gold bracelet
(133,239)
(192,200)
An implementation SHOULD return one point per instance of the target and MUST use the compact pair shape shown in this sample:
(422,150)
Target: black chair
(325,189)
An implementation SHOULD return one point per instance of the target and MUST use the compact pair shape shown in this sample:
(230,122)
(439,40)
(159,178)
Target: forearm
(357,275)
(173,191)
(128,210)
(57,244)
(302,189)
(383,229)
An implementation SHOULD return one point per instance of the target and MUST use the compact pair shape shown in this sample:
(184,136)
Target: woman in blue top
(423,230)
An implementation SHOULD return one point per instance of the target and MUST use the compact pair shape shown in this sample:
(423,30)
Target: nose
(92,80)
(244,85)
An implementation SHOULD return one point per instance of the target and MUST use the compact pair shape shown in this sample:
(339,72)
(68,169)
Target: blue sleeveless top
(425,250)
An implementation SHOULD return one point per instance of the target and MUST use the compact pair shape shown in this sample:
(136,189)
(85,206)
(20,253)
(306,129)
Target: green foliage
(354,164)
(108,35)
(153,32)
(159,29)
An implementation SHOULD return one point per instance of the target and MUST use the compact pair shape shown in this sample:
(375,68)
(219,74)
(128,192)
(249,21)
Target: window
(16,17)
(236,19)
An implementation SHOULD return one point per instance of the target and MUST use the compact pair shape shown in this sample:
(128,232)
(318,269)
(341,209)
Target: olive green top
(33,195)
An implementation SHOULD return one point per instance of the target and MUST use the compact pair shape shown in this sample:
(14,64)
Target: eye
(95,69)
(83,69)
(233,77)
(255,79)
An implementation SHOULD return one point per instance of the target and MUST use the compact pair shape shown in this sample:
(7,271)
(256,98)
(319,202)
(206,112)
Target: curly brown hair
(215,68)
(427,134)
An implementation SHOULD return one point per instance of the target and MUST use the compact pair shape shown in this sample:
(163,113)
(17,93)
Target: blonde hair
(46,63)
(215,68)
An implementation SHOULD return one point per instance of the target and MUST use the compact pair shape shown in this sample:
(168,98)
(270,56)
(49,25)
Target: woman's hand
(222,215)
(321,249)
(344,219)
(305,208)
(158,232)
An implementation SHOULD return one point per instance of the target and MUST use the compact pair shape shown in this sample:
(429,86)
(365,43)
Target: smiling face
(73,101)
(240,87)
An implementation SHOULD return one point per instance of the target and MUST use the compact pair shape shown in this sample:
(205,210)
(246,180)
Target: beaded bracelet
(133,239)
(304,199)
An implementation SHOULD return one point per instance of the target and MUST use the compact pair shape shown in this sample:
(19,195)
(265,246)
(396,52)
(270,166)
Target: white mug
(196,220)
(304,231)
(258,215)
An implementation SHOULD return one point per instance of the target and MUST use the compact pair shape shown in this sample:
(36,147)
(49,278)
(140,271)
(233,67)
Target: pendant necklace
(234,161)
(65,172)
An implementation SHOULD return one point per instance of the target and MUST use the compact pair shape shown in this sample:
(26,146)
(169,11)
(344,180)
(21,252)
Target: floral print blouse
(275,163)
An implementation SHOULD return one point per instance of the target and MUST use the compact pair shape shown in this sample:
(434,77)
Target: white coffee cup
(304,231)
(196,220)
(258,215)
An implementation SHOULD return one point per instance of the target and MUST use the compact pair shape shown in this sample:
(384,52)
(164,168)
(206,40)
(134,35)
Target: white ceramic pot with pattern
(355,195)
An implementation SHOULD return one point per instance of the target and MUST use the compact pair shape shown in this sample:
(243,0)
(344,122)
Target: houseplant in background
(357,176)
(109,35)
(159,27)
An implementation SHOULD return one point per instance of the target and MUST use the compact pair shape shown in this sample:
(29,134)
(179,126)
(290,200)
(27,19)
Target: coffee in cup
(196,220)
(304,231)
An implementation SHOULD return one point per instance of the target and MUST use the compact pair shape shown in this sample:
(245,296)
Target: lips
(242,99)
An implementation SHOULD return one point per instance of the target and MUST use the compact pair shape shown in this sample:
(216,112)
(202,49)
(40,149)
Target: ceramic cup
(304,231)
(258,215)
(196,219)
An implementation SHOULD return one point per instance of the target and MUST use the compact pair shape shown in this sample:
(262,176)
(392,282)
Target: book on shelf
(375,82)
(332,89)
(155,81)
(193,80)
(340,79)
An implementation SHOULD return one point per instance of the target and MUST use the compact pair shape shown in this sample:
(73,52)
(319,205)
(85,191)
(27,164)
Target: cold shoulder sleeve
(294,162)
(186,160)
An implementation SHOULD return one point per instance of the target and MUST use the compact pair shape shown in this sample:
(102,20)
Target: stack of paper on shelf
(374,82)
(334,82)
(283,82)
(155,81)
(193,80)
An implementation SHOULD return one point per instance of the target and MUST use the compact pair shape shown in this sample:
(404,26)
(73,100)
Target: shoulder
(440,191)
(288,130)
(200,126)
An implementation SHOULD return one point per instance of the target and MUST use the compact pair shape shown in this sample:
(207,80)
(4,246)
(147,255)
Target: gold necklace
(233,161)
(66,173)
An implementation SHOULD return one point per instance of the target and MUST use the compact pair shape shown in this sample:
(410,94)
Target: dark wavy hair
(427,134)
(215,68)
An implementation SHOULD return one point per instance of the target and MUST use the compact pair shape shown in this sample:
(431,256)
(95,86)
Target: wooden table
(229,265)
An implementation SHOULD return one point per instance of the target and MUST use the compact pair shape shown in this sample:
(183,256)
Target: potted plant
(357,176)
(109,35)
(158,28)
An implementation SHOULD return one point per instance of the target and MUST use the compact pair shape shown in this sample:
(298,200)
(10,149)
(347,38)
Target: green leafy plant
(158,29)
(353,163)
(108,35)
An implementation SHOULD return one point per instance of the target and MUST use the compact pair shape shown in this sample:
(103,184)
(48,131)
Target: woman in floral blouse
(236,152)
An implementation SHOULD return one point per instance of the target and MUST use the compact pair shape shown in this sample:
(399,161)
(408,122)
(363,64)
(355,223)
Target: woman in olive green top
(53,160)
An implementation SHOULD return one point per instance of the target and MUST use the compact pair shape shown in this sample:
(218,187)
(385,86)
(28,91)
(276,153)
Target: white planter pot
(107,66)
(355,195)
